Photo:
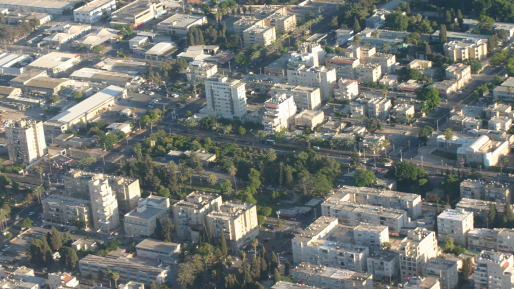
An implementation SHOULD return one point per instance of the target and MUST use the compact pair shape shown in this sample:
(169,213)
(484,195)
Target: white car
(110,238)
(151,93)
(282,258)
(31,213)
(182,106)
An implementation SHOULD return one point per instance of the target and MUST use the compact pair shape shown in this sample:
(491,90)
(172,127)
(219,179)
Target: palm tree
(232,171)
(115,277)
(386,144)
(109,275)
(255,243)
(212,179)
(376,146)
(38,192)
(40,172)
(182,173)
(448,135)
(133,111)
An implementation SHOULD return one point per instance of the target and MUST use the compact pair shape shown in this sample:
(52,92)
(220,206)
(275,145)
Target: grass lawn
(205,187)
(264,200)
(445,155)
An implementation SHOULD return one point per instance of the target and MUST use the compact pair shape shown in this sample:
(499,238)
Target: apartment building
(127,269)
(480,208)
(324,242)
(279,113)
(379,107)
(466,49)
(495,270)
(127,190)
(500,123)
(63,280)
(347,89)
(459,72)
(85,244)
(289,285)
(455,224)
(261,35)
(370,72)
(245,23)
(142,221)
(309,118)
(344,66)
(372,236)
(352,214)
(281,22)
(387,62)
(266,11)
(472,189)
(499,192)
(25,141)
(504,91)
(422,283)
(321,77)
(92,12)
(104,207)
(403,110)
(61,211)
(445,270)
(305,97)
(385,198)
(192,211)
(237,221)
(226,98)
(416,249)
(328,277)
(200,70)
(179,24)
(309,53)
(497,239)
(384,265)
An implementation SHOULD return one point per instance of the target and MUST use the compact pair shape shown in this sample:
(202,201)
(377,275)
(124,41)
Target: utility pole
(103,157)
(437,122)
(422,162)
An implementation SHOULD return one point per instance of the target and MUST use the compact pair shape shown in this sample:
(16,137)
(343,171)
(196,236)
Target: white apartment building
(62,211)
(199,70)
(192,211)
(261,35)
(379,107)
(494,270)
(237,221)
(328,277)
(322,243)
(309,118)
(92,12)
(497,191)
(445,270)
(472,189)
(466,49)
(403,110)
(455,224)
(321,77)
(344,66)
(479,208)
(63,280)
(376,197)
(416,249)
(305,97)
(310,54)
(352,214)
(500,123)
(372,236)
(385,60)
(369,72)
(25,141)
(104,207)
(347,89)
(279,113)
(384,265)
(225,98)
(142,220)
(179,24)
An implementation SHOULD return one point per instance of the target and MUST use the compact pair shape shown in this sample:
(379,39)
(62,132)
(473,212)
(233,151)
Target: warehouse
(85,111)
(100,76)
(55,63)
(46,85)
(12,64)
(43,6)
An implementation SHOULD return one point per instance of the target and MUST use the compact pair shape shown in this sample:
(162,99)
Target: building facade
(25,141)
(328,277)
(279,113)
(321,77)
(92,12)
(142,221)
(226,98)
(455,224)
(305,97)
(494,270)
(104,207)
(445,270)
(416,249)
(62,211)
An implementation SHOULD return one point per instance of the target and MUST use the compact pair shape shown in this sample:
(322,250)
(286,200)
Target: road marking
(118,158)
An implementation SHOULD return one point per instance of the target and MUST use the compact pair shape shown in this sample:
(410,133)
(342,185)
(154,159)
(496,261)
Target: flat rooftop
(386,256)
(53,59)
(314,228)
(66,200)
(332,273)
(121,263)
(48,4)
(161,48)
(143,212)
(181,20)
(9,59)
(86,105)
(46,82)
(166,248)
(289,285)
(92,5)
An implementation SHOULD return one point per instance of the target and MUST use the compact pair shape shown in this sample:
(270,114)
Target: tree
(241,59)
(508,216)
(386,47)
(212,179)
(232,171)
(373,124)
(167,230)
(55,240)
(442,34)
(158,230)
(475,65)
(115,277)
(334,23)
(27,223)
(276,276)
(356,26)
(279,222)
(55,98)
(69,258)
(355,159)
(406,173)
(264,211)
(242,255)
(223,241)
(431,98)
(364,178)
(428,50)
(449,246)
(492,217)
(255,243)
(397,21)
(287,268)
(425,132)
(451,186)
(77,95)
(467,267)
(386,246)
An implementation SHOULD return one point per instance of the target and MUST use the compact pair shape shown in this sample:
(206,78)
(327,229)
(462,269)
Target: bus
(267,141)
